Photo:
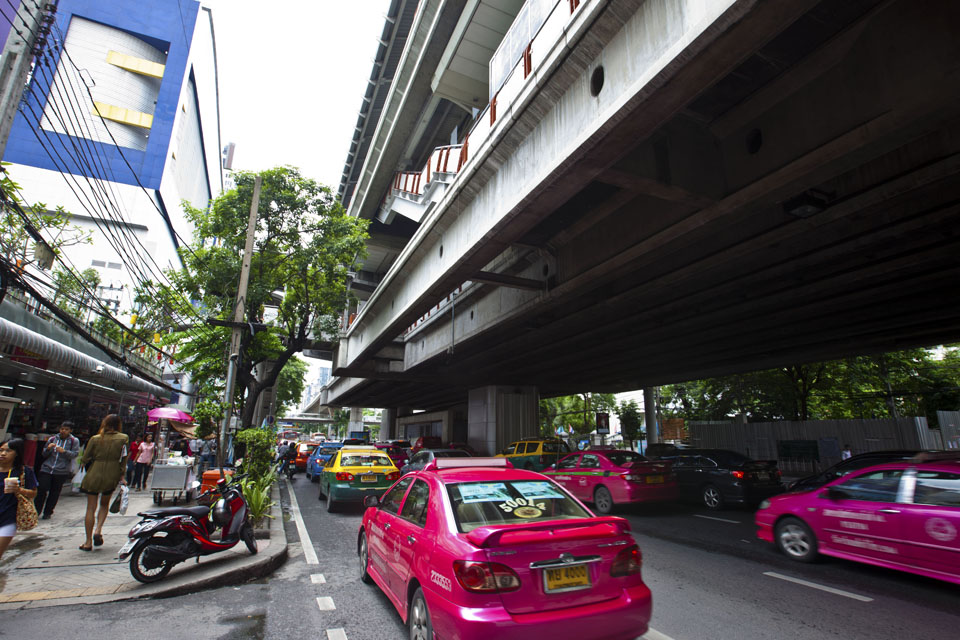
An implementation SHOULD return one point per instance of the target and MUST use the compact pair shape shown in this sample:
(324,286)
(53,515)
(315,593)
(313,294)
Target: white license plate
(125,549)
(763,475)
(368,478)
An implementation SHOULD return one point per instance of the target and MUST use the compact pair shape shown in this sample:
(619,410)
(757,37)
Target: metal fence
(949,428)
(805,447)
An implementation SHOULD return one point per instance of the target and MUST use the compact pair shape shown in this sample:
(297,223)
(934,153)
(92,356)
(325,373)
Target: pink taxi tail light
(485,577)
(627,563)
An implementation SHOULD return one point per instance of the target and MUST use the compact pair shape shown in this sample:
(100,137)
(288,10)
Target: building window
(99,263)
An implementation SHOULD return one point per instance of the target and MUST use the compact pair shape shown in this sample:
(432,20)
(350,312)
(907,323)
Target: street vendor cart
(172,481)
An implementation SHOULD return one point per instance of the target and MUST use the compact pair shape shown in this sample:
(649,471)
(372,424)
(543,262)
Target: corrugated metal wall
(949,428)
(760,440)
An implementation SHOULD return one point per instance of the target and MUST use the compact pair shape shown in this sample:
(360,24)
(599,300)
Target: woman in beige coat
(106,455)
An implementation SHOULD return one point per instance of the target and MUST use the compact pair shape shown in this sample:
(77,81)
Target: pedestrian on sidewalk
(132,459)
(145,455)
(208,453)
(18,479)
(59,455)
(106,453)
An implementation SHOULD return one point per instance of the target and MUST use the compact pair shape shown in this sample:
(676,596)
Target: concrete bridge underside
(779,183)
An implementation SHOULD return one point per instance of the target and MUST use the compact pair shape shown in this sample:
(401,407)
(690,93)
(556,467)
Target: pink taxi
(903,515)
(607,477)
(472,548)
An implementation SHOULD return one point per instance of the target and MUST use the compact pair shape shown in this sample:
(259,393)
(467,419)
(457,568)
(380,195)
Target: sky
(292,74)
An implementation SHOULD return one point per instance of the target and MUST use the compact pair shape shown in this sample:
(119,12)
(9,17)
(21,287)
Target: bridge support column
(650,415)
(388,424)
(496,416)
(356,420)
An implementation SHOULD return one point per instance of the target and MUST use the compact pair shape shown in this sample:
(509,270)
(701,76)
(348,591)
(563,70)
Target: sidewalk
(45,567)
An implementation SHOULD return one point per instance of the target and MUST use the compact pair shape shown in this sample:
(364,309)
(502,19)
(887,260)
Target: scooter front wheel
(148,572)
(249,537)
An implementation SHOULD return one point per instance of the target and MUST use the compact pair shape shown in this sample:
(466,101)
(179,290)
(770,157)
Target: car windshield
(365,460)
(727,458)
(555,447)
(452,453)
(622,458)
(307,448)
(326,451)
(478,504)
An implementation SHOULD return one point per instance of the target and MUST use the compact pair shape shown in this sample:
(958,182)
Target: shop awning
(68,360)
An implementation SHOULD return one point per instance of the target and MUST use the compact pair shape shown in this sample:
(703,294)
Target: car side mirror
(371,501)
(835,493)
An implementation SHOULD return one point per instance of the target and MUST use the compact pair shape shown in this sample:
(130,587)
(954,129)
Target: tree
(304,246)
(290,385)
(71,293)
(631,420)
(574,413)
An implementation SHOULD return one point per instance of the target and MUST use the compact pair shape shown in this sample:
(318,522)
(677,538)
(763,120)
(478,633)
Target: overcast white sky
(292,76)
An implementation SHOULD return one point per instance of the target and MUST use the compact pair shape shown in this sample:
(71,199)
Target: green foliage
(71,294)
(259,452)
(573,412)
(207,414)
(631,420)
(257,493)
(290,385)
(913,382)
(305,244)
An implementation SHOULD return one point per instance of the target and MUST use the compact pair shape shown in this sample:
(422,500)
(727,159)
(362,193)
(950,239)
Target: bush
(258,457)
(257,493)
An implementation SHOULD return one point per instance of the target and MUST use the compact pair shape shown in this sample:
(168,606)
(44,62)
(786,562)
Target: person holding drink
(17,479)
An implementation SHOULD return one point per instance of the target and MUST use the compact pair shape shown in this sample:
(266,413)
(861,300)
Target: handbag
(124,499)
(26,512)
(115,503)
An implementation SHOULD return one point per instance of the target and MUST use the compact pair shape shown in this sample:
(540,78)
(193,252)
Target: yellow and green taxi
(354,472)
(535,454)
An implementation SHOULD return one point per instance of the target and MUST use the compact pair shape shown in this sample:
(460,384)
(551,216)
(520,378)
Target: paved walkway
(45,567)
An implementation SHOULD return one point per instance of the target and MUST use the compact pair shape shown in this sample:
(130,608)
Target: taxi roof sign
(455,463)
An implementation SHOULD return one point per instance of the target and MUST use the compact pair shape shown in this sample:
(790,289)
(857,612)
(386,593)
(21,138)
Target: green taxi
(354,472)
(535,454)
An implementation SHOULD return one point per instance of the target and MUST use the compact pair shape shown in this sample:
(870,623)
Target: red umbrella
(170,414)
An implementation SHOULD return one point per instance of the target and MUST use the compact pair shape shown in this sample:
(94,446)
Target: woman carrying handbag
(106,455)
(19,486)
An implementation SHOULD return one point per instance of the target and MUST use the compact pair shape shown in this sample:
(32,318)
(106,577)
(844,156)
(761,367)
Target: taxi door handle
(411,539)
(889,510)
(386,526)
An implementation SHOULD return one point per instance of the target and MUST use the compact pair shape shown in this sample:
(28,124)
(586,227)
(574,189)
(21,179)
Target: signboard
(603,424)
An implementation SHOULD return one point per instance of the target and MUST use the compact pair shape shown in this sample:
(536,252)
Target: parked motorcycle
(169,535)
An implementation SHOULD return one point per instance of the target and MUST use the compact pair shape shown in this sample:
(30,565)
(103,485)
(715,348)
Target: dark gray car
(425,456)
(717,477)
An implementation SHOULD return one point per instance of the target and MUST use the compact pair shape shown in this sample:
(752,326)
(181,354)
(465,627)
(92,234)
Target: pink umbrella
(170,414)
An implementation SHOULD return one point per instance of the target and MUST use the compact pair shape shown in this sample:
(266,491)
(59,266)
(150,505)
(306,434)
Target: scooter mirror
(194,485)
(371,501)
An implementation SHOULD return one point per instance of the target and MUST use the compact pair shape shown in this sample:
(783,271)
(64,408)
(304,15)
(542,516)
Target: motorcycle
(169,535)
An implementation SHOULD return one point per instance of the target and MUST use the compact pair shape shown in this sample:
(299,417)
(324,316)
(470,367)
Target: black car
(425,456)
(717,477)
(853,463)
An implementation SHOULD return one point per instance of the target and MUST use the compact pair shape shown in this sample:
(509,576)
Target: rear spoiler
(605,526)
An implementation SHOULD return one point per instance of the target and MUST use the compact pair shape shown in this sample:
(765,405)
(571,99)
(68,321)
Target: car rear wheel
(320,495)
(602,500)
(795,539)
(418,618)
(364,561)
(712,498)
(331,504)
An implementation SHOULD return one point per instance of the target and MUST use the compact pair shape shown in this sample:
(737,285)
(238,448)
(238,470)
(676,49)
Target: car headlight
(764,505)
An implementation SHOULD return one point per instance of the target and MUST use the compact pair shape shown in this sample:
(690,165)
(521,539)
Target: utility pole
(27,38)
(237,319)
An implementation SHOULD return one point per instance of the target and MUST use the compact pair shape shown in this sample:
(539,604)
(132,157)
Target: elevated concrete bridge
(647,192)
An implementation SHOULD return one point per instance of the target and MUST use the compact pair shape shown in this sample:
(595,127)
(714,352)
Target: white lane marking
(336,634)
(309,554)
(326,603)
(697,515)
(317,578)
(814,585)
(653,634)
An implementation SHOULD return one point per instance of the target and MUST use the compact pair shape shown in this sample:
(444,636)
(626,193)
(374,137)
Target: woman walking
(145,456)
(106,453)
(18,479)
(132,459)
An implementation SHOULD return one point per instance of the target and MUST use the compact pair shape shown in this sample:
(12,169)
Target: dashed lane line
(336,634)
(814,585)
(697,515)
(326,603)
(317,578)
(309,553)
(653,634)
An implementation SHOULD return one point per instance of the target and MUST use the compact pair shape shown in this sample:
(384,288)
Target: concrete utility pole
(16,61)
(238,318)
(650,416)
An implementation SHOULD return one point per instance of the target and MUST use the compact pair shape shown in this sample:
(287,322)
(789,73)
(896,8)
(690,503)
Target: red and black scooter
(170,535)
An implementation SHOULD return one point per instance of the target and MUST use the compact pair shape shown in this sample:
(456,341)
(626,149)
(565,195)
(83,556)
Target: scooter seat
(162,512)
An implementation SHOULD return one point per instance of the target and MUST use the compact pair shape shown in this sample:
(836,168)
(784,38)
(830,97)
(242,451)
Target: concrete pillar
(388,423)
(650,415)
(356,420)
(497,416)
